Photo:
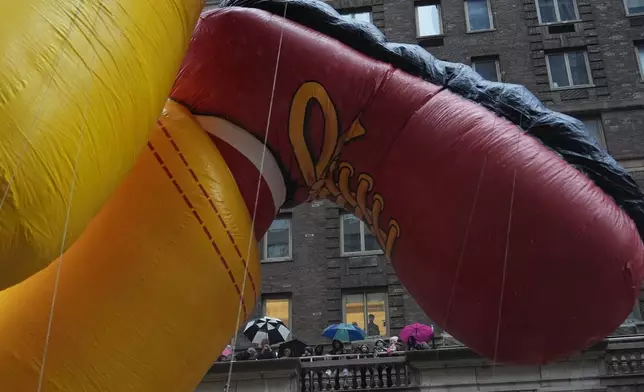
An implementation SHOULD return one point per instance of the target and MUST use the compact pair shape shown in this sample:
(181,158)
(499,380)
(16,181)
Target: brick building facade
(581,57)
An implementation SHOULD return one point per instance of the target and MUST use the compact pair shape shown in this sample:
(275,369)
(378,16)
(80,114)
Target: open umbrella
(421,332)
(344,332)
(296,346)
(269,328)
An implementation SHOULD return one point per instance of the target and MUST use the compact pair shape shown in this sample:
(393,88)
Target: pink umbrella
(421,332)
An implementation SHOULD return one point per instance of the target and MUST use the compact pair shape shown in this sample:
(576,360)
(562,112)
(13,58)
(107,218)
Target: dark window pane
(370,241)
(478,15)
(278,239)
(351,233)
(566,10)
(578,69)
(547,11)
(487,69)
(558,72)
(635,6)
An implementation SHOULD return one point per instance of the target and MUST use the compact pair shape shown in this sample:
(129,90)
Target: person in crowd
(266,351)
(337,348)
(372,327)
(308,352)
(380,348)
(363,351)
(286,353)
(393,345)
(249,354)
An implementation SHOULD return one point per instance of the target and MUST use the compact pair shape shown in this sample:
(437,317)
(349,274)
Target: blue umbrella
(344,332)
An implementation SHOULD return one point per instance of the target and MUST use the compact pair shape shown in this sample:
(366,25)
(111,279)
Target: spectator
(266,352)
(393,345)
(337,348)
(372,328)
(380,348)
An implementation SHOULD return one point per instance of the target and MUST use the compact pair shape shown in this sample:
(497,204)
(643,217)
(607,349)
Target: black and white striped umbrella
(269,328)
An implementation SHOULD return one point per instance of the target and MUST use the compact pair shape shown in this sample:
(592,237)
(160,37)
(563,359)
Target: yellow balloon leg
(76,75)
(148,295)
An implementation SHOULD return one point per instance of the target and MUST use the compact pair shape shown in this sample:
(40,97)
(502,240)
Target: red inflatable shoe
(498,239)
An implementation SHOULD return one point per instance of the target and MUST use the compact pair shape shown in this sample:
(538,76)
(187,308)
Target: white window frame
(467,18)
(628,12)
(640,65)
(361,252)
(353,15)
(365,308)
(440,19)
(496,63)
(567,62)
(263,244)
(289,299)
(558,21)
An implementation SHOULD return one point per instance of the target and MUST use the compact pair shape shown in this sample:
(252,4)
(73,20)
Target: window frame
(568,71)
(440,18)
(628,12)
(364,294)
(497,63)
(353,12)
(264,244)
(280,297)
(361,252)
(639,46)
(597,117)
(558,21)
(468,27)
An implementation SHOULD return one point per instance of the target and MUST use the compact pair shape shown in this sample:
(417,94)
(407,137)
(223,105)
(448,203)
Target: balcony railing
(354,372)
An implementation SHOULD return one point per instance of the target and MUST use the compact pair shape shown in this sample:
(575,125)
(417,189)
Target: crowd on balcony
(348,350)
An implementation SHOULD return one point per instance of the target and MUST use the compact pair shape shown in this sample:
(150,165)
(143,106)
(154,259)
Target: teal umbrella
(344,332)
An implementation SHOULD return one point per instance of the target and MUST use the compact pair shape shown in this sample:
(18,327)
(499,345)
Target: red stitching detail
(185,198)
(209,199)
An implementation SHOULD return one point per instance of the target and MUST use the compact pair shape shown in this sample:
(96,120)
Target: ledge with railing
(615,361)
(355,372)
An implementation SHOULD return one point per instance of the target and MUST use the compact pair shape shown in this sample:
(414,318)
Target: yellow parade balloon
(120,231)
(81,84)
(143,290)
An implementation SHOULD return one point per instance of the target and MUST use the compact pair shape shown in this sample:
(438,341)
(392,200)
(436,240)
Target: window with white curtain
(428,20)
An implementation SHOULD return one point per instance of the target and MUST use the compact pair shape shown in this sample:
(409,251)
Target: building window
(278,308)
(569,69)
(277,244)
(356,238)
(639,52)
(364,16)
(556,11)
(428,20)
(634,7)
(478,15)
(488,68)
(595,127)
(368,311)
